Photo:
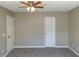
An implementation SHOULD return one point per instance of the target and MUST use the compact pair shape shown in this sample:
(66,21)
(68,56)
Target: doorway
(49,31)
(10,33)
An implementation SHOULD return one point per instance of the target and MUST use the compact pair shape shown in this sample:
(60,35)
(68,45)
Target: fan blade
(23,7)
(37,3)
(24,3)
(38,6)
(30,2)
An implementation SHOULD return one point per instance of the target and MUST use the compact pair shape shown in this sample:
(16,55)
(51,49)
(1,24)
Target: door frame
(45,33)
(7,34)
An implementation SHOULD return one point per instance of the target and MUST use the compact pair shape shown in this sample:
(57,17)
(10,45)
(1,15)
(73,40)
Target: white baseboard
(40,47)
(61,47)
(30,47)
(6,53)
(74,51)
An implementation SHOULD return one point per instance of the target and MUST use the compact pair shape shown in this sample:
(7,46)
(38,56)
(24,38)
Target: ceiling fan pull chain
(30,9)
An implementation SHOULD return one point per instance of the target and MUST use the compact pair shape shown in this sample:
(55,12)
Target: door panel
(50,31)
(10,33)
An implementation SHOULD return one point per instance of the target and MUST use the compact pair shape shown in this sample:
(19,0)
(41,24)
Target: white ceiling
(49,6)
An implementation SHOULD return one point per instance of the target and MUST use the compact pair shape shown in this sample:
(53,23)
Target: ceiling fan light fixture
(30,9)
(30,6)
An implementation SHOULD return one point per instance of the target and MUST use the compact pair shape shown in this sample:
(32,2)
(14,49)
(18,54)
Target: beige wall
(29,29)
(3,40)
(74,29)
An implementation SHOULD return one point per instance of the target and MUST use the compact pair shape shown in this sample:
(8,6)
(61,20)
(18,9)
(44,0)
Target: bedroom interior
(39,28)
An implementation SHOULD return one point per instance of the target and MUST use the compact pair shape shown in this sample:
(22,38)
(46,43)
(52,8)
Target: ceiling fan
(31,5)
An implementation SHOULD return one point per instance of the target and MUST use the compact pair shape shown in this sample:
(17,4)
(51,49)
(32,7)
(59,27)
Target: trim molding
(61,47)
(7,53)
(39,46)
(29,46)
(74,51)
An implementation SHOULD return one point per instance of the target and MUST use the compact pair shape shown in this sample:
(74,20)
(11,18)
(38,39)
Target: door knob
(8,36)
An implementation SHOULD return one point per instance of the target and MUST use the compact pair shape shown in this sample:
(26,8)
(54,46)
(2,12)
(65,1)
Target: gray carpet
(41,52)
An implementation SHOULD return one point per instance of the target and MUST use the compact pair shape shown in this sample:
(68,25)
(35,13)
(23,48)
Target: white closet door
(49,31)
(10,33)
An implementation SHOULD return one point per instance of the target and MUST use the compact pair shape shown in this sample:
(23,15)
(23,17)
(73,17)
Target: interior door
(10,33)
(49,31)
